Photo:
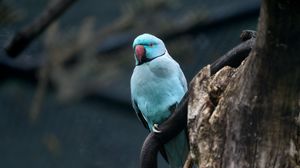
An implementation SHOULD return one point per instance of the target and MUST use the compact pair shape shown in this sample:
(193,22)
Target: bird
(157,85)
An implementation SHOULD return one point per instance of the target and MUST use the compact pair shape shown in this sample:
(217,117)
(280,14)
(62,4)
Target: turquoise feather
(156,85)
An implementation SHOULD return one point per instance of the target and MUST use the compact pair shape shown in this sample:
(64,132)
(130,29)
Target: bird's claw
(155,128)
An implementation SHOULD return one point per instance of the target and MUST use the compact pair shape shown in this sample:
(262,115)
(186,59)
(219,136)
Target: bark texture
(205,120)
(250,117)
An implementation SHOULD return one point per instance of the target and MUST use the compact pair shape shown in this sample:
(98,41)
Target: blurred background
(65,100)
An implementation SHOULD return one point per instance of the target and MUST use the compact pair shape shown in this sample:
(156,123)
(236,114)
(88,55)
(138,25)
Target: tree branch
(27,34)
(235,56)
(192,27)
(178,120)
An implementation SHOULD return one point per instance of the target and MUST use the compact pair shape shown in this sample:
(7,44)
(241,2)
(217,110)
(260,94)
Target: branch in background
(22,39)
(191,27)
(224,14)
(26,35)
(178,120)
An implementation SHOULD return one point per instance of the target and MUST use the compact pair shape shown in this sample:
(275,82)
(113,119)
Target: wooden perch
(27,34)
(178,120)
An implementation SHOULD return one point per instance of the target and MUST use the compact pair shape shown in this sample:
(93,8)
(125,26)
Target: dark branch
(247,34)
(27,34)
(235,56)
(148,156)
(178,120)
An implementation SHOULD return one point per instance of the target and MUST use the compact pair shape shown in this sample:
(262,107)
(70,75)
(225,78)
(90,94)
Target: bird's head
(147,47)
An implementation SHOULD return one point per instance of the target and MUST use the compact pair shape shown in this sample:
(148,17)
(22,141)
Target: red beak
(139,52)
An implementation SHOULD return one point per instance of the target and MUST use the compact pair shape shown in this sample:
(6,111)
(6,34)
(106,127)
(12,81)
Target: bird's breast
(156,87)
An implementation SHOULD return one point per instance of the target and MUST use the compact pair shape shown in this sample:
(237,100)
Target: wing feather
(139,114)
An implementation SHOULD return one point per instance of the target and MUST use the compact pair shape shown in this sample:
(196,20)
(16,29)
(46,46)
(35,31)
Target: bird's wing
(139,114)
(180,73)
(144,122)
(182,79)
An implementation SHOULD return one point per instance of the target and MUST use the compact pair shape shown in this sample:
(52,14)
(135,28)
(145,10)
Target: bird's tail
(177,150)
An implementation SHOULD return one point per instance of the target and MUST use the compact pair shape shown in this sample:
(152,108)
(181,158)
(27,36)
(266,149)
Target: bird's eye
(151,44)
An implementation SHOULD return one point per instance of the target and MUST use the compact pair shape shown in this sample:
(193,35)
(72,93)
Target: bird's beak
(140,53)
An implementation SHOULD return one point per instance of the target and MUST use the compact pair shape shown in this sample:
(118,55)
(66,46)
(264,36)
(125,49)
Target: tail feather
(177,150)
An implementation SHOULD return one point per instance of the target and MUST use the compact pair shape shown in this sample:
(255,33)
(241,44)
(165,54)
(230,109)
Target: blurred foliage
(74,67)
(77,70)
(9,14)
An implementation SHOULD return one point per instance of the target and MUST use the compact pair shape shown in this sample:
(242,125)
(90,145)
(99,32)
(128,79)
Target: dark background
(65,102)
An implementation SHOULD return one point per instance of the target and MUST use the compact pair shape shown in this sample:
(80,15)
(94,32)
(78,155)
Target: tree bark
(250,116)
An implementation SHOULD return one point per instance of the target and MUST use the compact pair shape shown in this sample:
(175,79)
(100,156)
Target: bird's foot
(155,128)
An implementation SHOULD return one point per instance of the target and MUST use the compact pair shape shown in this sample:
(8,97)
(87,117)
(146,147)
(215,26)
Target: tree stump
(250,116)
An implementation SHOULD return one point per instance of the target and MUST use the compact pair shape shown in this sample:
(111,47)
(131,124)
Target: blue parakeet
(157,86)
